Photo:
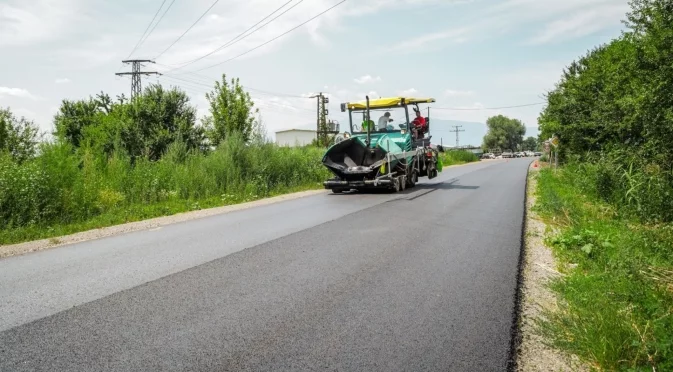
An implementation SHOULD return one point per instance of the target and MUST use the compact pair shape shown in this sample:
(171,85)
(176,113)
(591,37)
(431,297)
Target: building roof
(296,130)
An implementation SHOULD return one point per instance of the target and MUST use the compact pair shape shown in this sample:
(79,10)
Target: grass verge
(458,157)
(62,191)
(616,292)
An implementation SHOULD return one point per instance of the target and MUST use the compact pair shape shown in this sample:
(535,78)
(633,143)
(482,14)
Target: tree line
(145,126)
(613,107)
(113,160)
(506,133)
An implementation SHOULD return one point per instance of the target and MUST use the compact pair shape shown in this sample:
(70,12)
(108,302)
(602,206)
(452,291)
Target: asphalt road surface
(422,280)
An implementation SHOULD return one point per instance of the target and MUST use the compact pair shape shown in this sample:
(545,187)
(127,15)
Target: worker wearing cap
(383,121)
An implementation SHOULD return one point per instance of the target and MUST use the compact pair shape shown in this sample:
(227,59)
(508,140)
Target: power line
(230,42)
(190,27)
(209,79)
(156,24)
(275,38)
(199,85)
(486,108)
(148,27)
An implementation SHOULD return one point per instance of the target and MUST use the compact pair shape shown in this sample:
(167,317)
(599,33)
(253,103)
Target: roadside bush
(634,184)
(458,157)
(616,291)
(61,186)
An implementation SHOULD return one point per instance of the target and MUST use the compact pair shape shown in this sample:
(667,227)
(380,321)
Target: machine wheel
(396,185)
(403,183)
(337,190)
(412,180)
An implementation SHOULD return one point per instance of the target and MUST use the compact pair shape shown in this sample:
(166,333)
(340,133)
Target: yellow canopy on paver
(389,102)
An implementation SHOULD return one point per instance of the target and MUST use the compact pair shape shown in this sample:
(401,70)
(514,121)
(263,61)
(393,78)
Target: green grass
(62,192)
(457,157)
(617,295)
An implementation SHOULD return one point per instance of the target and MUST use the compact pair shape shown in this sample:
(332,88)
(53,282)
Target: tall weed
(62,186)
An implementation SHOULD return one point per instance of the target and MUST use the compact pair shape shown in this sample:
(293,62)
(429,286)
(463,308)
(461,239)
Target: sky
(470,55)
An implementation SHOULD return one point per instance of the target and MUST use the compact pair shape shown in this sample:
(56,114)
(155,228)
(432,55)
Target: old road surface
(422,280)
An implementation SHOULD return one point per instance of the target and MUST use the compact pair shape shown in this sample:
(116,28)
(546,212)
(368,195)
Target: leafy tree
(620,95)
(231,109)
(73,116)
(504,133)
(530,144)
(159,117)
(18,136)
(144,127)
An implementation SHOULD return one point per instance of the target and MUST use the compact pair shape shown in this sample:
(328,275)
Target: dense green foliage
(617,101)
(232,111)
(530,144)
(617,290)
(143,128)
(613,200)
(121,160)
(455,157)
(504,133)
(60,187)
(18,136)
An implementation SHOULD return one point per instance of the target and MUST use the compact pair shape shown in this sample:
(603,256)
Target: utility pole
(322,129)
(457,131)
(136,85)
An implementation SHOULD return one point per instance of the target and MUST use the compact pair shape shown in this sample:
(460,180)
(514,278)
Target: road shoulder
(10,250)
(38,245)
(539,267)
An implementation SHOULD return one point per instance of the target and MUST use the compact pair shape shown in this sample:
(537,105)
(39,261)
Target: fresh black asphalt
(424,281)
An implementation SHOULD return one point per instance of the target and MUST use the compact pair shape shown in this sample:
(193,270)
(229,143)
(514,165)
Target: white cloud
(458,93)
(367,79)
(28,22)
(62,81)
(408,92)
(550,20)
(581,23)
(420,42)
(16,92)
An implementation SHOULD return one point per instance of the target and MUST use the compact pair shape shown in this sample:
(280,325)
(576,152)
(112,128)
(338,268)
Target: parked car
(488,155)
(507,154)
(538,154)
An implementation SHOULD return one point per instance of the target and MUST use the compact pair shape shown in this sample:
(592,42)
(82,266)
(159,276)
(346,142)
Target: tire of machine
(403,182)
(412,180)
(396,185)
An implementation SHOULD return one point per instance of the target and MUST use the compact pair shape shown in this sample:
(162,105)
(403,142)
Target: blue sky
(468,54)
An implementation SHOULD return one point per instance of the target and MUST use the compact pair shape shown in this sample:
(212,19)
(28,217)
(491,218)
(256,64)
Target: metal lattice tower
(457,131)
(136,83)
(322,129)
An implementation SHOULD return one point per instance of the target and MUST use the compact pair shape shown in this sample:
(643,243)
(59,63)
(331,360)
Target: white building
(294,137)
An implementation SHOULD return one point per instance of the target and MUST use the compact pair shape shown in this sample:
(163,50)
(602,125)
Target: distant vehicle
(488,155)
(538,154)
(507,154)
(519,155)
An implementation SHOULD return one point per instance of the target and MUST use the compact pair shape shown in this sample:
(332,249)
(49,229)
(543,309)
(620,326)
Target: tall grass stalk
(62,191)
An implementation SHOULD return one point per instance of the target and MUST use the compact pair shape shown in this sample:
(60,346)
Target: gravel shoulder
(538,268)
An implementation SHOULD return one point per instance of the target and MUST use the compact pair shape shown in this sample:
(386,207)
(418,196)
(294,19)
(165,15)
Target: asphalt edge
(23,248)
(19,249)
(515,332)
